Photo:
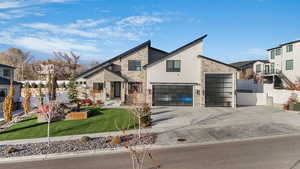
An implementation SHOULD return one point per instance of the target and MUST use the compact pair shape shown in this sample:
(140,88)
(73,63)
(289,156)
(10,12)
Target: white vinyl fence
(251,99)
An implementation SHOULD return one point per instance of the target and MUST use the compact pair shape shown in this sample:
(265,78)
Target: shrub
(34,85)
(85,139)
(87,102)
(146,116)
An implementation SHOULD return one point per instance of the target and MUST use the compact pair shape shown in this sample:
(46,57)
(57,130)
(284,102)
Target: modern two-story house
(285,59)
(183,77)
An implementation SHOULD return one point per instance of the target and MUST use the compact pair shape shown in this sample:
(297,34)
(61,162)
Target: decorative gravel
(74,145)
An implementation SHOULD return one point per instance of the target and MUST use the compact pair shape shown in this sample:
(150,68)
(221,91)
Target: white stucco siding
(190,68)
(280,61)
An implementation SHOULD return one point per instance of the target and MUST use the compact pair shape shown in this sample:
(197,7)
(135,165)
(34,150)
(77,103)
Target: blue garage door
(172,95)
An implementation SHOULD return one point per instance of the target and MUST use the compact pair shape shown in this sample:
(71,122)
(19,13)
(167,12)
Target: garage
(172,95)
(218,90)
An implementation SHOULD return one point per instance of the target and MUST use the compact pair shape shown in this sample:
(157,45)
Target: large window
(98,87)
(258,68)
(278,51)
(173,65)
(272,54)
(289,65)
(7,72)
(289,48)
(135,87)
(134,65)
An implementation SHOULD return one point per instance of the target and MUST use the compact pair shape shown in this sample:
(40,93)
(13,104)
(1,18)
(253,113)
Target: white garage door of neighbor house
(218,90)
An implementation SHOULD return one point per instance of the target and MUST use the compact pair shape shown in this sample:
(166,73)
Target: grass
(102,120)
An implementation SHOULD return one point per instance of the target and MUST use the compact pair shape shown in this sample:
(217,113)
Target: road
(274,153)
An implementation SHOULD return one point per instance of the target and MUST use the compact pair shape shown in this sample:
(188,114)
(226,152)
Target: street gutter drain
(181,139)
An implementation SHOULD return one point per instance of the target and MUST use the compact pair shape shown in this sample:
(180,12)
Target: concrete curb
(123,150)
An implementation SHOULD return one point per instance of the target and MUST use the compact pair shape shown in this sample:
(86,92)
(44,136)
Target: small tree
(8,104)
(41,95)
(72,91)
(26,101)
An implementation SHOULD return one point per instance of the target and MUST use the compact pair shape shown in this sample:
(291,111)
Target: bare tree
(70,60)
(19,59)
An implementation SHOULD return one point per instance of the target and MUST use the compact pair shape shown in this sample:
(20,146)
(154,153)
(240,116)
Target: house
(122,77)
(183,77)
(6,73)
(249,68)
(285,61)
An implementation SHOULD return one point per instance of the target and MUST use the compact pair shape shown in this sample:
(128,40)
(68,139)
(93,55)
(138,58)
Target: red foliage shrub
(87,102)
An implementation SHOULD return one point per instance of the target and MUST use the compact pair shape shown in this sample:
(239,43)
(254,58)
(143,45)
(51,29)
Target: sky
(100,29)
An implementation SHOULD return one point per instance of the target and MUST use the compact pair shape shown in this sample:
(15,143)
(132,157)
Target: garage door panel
(218,89)
(172,95)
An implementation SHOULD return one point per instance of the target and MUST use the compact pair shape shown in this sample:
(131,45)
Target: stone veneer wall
(209,66)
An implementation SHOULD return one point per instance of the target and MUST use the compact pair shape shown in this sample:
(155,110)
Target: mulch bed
(74,145)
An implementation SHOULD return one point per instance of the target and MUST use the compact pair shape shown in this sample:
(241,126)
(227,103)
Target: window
(272,68)
(258,68)
(3,93)
(134,65)
(98,87)
(173,65)
(289,65)
(272,54)
(289,48)
(135,87)
(7,72)
(278,51)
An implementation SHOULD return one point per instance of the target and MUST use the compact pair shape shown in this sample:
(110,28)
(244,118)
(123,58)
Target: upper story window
(258,68)
(272,54)
(7,73)
(278,51)
(173,65)
(272,67)
(289,48)
(134,65)
(289,65)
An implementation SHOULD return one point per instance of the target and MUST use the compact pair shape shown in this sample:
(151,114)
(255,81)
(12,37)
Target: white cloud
(139,20)
(18,13)
(25,3)
(11,4)
(86,23)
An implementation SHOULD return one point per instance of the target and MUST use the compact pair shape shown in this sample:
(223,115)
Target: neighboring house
(6,72)
(250,67)
(285,59)
(261,67)
(183,77)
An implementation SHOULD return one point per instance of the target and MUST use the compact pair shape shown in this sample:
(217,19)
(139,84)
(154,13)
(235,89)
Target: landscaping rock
(85,139)
(10,150)
(116,140)
(75,145)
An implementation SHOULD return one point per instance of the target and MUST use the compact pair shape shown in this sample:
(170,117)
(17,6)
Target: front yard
(102,120)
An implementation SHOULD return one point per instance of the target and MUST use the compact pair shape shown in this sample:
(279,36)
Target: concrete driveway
(216,124)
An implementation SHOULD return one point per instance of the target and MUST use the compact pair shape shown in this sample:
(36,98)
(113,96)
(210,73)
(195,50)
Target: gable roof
(108,62)
(229,65)
(280,45)
(178,50)
(243,64)
(7,66)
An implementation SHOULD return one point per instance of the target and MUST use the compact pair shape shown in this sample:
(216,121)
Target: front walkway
(199,125)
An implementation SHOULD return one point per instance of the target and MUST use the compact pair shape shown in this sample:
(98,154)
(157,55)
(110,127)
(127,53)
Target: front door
(117,89)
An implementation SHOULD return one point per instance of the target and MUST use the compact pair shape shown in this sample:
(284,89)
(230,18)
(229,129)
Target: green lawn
(102,120)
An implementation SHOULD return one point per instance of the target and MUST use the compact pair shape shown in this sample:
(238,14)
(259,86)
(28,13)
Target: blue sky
(100,29)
